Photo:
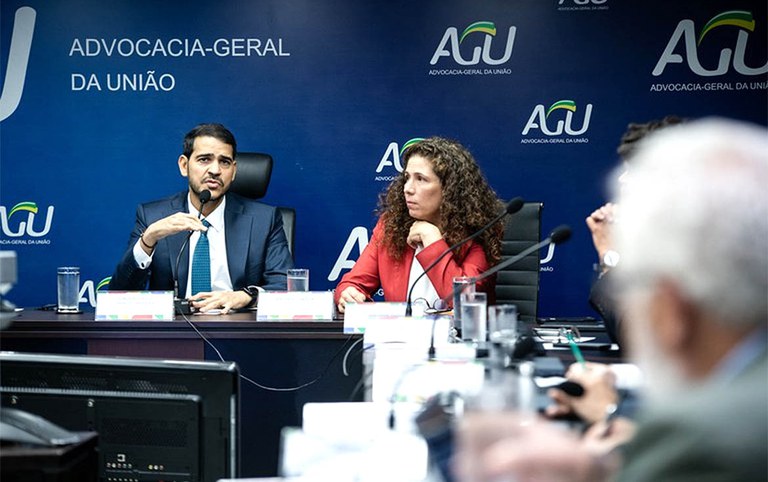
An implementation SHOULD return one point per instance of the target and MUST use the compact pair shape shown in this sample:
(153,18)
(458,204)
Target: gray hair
(694,211)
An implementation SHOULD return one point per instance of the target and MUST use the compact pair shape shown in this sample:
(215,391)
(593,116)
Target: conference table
(274,354)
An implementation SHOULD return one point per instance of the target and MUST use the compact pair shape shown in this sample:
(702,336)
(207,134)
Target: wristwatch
(611,259)
(253,292)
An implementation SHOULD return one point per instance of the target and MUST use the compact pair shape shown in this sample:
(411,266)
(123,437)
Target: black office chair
(518,284)
(254,171)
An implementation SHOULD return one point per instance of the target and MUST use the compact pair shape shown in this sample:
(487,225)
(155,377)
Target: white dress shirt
(220,279)
(424,291)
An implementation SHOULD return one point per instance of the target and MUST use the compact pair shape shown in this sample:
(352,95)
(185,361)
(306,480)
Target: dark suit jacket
(602,299)
(257,249)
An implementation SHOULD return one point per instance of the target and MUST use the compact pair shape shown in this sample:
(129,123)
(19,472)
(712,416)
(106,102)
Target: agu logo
(685,33)
(543,118)
(88,292)
(25,226)
(392,157)
(450,45)
(18,56)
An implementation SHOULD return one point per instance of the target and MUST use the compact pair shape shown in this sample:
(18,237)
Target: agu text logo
(18,57)
(472,53)
(24,219)
(686,46)
(392,158)
(558,123)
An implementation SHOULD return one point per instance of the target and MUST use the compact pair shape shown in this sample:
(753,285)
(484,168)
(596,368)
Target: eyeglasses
(438,306)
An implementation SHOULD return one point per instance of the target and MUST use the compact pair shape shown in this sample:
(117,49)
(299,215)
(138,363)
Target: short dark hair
(637,132)
(217,131)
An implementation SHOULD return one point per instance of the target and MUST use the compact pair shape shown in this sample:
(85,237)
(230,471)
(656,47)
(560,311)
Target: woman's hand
(423,234)
(350,295)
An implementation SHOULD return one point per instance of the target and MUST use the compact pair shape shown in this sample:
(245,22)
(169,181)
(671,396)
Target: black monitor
(157,420)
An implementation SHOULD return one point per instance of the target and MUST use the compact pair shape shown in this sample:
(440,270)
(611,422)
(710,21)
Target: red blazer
(376,268)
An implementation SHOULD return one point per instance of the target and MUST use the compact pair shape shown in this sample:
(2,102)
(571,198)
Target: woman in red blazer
(440,198)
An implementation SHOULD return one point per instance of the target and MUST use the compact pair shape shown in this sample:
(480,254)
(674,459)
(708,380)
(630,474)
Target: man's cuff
(143,260)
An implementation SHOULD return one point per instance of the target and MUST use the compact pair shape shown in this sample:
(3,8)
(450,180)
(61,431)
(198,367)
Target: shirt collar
(216,218)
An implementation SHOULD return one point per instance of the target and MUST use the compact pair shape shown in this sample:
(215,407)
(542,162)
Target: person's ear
(673,318)
(184,165)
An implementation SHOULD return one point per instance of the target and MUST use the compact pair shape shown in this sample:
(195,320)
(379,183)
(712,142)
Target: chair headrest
(254,170)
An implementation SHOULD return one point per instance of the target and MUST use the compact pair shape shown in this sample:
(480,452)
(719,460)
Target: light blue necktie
(201,263)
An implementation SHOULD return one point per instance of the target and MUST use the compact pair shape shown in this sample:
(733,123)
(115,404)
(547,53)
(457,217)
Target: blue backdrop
(97,96)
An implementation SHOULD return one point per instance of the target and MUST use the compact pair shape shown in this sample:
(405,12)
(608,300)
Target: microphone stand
(182,305)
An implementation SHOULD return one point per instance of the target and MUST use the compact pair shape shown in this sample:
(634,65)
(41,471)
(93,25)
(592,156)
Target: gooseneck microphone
(204,197)
(559,235)
(512,207)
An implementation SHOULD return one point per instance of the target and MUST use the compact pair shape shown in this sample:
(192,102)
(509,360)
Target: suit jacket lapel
(237,234)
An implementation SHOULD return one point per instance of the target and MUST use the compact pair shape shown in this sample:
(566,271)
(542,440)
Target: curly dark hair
(468,202)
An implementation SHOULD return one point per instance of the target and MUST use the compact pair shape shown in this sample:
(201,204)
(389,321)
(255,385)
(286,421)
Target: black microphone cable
(279,389)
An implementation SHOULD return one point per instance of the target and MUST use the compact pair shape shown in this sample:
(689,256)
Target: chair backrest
(518,284)
(254,171)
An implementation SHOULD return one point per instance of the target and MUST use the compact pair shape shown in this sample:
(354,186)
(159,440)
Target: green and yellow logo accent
(103,283)
(562,104)
(408,144)
(737,18)
(24,206)
(485,27)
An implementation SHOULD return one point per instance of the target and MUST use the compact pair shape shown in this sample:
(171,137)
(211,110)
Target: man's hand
(509,446)
(599,223)
(168,226)
(599,384)
(423,234)
(225,301)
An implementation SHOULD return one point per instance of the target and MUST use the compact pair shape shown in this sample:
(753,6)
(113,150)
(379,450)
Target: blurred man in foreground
(693,285)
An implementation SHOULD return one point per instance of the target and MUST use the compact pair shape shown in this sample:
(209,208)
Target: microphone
(559,235)
(512,207)
(182,305)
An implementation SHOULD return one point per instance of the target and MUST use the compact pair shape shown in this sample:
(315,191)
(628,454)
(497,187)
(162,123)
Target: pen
(576,351)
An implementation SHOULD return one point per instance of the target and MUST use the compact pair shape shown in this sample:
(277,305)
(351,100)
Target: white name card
(358,315)
(295,305)
(134,305)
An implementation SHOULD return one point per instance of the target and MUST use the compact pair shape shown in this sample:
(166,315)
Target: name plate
(358,315)
(295,305)
(134,305)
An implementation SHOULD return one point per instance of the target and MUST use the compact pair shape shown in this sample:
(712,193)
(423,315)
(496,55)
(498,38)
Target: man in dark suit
(692,285)
(601,219)
(248,250)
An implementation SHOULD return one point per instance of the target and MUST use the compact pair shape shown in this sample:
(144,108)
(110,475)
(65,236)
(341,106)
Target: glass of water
(502,324)
(68,286)
(298,279)
(474,317)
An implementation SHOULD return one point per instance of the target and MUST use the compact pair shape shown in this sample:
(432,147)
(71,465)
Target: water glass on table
(502,324)
(298,279)
(68,287)
(474,317)
(461,284)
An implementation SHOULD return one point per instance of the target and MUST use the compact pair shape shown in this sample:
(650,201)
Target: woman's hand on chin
(423,233)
